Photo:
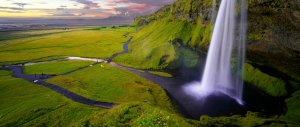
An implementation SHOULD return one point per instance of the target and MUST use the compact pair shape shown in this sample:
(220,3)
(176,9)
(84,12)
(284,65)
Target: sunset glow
(78,8)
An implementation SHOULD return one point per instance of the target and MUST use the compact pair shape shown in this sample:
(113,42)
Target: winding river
(40,78)
(187,105)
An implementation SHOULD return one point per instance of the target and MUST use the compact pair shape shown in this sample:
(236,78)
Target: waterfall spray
(223,72)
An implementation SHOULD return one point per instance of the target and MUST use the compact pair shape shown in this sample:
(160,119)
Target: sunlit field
(26,104)
(55,68)
(99,43)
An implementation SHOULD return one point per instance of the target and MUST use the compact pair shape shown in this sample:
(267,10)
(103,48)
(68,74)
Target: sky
(79,8)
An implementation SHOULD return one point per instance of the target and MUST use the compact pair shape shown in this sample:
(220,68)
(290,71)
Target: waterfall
(223,72)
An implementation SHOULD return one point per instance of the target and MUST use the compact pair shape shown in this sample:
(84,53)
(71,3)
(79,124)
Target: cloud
(8,11)
(148,2)
(87,13)
(61,7)
(91,8)
(12,8)
(88,4)
(65,14)
(139,7)
(21,4)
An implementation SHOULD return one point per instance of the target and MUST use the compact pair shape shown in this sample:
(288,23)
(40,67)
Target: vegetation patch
(293,110)
(109,84)
(137,115)
(81,43)
(160,73)
(271,85)
(26,104)
(159,44)
(251,119)
(55,68)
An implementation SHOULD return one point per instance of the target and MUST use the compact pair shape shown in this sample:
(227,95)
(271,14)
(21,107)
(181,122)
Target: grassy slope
(26,104)
(55,67)
(293,104)
(160,73)
(111,84)
(86,43)
(156,45)
(139,115)
(271,85)
(251,119)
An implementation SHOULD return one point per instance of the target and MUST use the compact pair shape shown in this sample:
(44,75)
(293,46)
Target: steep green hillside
(158,45)
(273,33)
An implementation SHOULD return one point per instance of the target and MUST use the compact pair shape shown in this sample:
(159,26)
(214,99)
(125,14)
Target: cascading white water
(223,72)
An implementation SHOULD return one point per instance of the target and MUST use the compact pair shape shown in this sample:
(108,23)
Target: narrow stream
(187,105)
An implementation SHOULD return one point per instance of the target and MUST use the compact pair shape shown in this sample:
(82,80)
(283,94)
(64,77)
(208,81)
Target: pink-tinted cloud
(138,7)
(148,2)
(87,4)
(91,8)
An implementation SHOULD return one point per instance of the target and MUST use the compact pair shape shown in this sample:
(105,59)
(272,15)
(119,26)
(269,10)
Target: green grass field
(84,43)
(8,34)
(27,104)
(59,67)
(110,84)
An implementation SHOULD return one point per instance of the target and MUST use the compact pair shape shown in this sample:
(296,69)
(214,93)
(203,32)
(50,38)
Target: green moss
(160,44)
(249,120)
(271,85)
(137,115)
(254,36)
(55,67)
(164,74)
(293,108)
(151,47)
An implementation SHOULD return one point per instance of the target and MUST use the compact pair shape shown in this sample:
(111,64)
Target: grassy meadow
(55,68)
(99,43)
(106,83)
(27,104)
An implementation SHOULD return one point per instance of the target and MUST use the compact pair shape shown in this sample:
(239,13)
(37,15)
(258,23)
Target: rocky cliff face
(273,38)
(273,34)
